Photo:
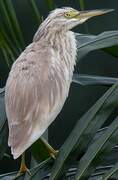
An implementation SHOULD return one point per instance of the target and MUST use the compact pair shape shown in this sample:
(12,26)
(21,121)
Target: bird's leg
(53,153)
(23,167)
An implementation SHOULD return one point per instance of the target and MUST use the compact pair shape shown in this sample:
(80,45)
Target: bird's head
(68,18)
(64,19)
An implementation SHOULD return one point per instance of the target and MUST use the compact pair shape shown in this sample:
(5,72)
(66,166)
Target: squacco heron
(40,78)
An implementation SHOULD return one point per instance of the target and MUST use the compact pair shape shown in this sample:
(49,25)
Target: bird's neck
(63,43)
(47,33)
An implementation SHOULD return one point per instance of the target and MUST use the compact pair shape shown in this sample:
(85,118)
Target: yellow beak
(92,13)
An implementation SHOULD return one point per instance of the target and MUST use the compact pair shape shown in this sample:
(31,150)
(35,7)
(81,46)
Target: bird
(39,80)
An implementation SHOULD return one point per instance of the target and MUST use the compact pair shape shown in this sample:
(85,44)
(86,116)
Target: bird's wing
(33,97)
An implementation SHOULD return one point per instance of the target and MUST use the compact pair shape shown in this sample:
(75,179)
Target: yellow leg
(23,167)
(53,153)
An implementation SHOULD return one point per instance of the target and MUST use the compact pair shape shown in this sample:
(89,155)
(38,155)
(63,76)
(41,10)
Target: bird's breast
(63,61)
(67,53)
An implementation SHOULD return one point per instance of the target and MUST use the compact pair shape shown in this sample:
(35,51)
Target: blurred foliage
(85,154)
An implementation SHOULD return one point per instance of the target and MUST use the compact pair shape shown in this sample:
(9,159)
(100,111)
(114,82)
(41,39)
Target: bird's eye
(68,15)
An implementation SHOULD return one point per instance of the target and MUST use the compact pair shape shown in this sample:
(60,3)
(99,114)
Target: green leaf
(85,79)
(14,22)
(11,48)
(3,140)
(112,50)
(111,172)
(2,109)
(9,176)
(35,172)
(82,4)
(87,43)
(107,160)
(85,129)
(50,4)
(3,125)
(6,50)
(41,150)
(95,152)
(8,23)
(40,171)
(35,11)
(5,55)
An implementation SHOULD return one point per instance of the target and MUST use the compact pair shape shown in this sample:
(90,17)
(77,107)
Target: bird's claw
(23,170)
(54,154)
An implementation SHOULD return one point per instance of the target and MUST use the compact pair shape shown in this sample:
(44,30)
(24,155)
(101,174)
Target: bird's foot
(53,153)
(23,170)
(23,167)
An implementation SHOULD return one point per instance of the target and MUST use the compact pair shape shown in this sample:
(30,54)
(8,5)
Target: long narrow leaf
(111,172)
(3,127)
(85,43)
(104,144)
(6,40)
(35,11)
(50,4)
(6,51)
(86,127)
(8,23)
(41,150)
(112,50)
(2,109)
(34,173)
(14,21)
(85,79)
(5,57)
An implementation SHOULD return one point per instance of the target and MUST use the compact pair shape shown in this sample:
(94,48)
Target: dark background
(96,63)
